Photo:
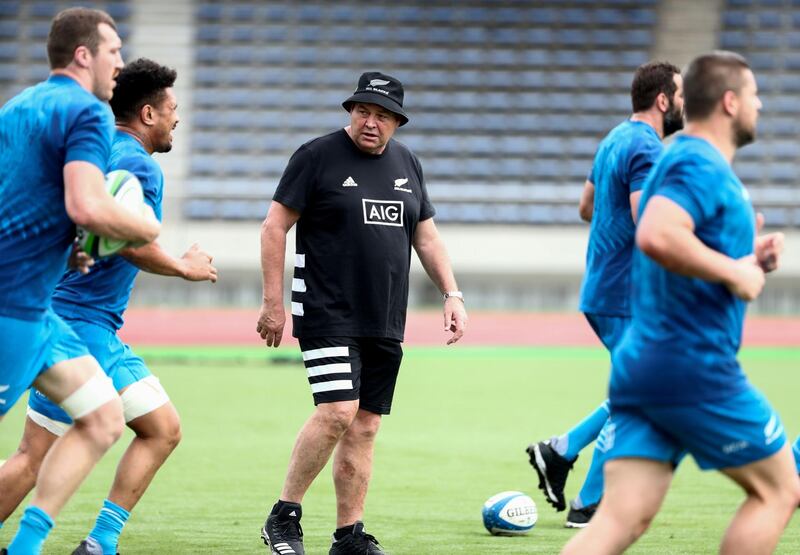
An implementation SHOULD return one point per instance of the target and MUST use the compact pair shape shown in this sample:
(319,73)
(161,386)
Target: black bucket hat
(381,89)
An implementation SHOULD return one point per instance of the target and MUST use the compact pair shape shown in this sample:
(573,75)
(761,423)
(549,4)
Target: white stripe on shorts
(298,285)
(297,309)
(53,426)
(326,352)
(299,260)
(335,385)
(340,368)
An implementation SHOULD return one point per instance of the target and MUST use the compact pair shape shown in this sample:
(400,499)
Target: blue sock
(1,523)
(571,443)
(796,451)
(33,530)
(108,526)
(592,489)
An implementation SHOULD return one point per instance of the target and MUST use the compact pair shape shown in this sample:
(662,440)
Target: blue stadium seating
(512,96)
(24,27)
(766,33)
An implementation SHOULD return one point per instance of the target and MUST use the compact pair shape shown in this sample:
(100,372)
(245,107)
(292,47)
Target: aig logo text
(383,212)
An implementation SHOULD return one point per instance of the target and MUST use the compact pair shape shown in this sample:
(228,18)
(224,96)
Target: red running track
(238,327)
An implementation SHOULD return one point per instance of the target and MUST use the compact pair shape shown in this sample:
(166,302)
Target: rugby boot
(89,546)
(356,543)
(282,532)
(579,518)
(552,469)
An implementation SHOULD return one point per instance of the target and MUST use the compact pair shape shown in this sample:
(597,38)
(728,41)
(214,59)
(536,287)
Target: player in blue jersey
(145,108)
(676,385)
(609,201)
(55,139)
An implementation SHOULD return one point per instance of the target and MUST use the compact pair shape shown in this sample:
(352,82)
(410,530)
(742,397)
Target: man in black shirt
(359,200)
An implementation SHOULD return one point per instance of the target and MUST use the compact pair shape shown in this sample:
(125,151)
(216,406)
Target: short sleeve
(641,162)
(150,176)
(692,186)
(298,180)
(90,135)
(590,177)
(426,209)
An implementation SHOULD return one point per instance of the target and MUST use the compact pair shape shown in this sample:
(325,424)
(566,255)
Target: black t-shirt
(358,215)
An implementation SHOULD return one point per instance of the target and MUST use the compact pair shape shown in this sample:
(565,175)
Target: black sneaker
(357,543)
(89,546)
(552,469)
(282,532)
(579,518)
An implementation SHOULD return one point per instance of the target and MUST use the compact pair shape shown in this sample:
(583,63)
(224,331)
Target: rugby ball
(509,513)
(127,191)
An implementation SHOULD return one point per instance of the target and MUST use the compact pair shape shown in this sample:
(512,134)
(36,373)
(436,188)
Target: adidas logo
(349,182)
(284,549)
(293,513)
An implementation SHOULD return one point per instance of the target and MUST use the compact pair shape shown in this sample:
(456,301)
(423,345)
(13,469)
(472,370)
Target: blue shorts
(609,329)
(719,434)
(121,364)
(28,348)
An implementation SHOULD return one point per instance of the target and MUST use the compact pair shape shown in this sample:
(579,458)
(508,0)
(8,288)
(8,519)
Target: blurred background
(507,100)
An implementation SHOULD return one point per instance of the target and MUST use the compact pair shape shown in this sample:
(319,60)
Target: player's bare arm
(194,265)
(272,317)
(586,206)
(90,206)
(433,256)
(666,234)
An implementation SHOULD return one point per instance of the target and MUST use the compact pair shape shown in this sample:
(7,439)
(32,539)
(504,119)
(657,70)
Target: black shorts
(350,368)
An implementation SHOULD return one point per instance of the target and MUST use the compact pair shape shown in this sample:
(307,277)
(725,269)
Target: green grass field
(462,418)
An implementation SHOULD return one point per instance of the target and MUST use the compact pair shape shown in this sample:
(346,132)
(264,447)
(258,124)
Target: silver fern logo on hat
(381,89)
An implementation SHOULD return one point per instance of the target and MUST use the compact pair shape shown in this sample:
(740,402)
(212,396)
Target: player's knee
(337,417)
(104,425)
(162,426)
(171,433)
(366,425)
(29,463)
(96,409)
(790,495)
(631,520)
(642,525)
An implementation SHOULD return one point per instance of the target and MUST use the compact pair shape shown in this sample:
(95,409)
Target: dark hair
(140,82)
(72,28)
(650,80)
(708,78)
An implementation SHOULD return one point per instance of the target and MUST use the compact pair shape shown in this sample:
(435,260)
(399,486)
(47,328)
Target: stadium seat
(8,51)
(769,20)
(8,29)
(199,209)
(733,39)
(276,12)
(8,72)
(209,12)
(735,19)
(766,39)
(9,8)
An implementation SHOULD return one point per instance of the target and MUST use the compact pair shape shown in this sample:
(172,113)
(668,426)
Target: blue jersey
(41,130)
(682,343)
(623,160)
(102,295)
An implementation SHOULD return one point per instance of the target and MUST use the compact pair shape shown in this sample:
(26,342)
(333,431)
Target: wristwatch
(457,294)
